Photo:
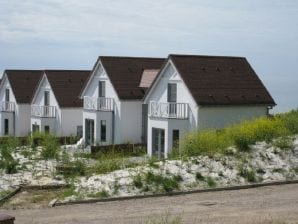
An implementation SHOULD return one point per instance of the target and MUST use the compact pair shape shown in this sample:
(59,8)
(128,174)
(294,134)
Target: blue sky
(70,34)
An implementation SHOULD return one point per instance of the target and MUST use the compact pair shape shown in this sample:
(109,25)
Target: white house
(16,91)
(113,98)
(56,107)
(201,92)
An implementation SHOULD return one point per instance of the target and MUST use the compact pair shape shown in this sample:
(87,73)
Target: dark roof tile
(24,83)
(125,74)
(221,80)
(67,85)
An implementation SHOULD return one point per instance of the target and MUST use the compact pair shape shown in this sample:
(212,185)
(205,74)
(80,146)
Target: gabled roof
(221,80)
(67,85)
(23,83)
(125,74)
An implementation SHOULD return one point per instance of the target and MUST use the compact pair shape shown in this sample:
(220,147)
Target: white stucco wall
(221,116)
(23,115)
(54,123)
(131,122)
(19,120)
(71,118)
(91,90)
(159,94)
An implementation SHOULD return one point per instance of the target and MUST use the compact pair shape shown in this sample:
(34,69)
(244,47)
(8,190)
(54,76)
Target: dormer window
(101,89)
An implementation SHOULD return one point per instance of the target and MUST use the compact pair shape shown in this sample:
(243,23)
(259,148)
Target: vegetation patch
(242,135)
(211,182)
(248,174)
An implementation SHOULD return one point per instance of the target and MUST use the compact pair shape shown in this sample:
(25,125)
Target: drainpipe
(113,127)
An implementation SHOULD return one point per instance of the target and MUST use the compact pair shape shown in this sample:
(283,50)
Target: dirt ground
(32,199)
(266,205)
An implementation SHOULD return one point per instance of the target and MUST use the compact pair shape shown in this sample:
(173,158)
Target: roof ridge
(66,70)
(133,57)
(205,56)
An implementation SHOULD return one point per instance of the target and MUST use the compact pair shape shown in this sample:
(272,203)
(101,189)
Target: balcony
(43,111)
(101,103)
(7,106)
(168,110)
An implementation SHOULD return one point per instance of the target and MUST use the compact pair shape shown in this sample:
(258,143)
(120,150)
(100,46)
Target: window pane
(6,127)
(101,89)
(172,92)
(46,98)
(103,130)
(7,95)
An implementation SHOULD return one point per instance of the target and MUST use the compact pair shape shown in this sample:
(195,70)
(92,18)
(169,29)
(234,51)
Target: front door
(158,142)
(89,131)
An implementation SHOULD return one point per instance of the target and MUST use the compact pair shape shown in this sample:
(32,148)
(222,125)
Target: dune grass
(242,135)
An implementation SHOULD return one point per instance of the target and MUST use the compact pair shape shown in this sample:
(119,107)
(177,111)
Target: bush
(7,162)
(284,142)
(199,176)
(72,169)
(205,143)
(51,147)
(241,135)
(211,182)
(168,184)
(137,181)
(290,121)
(248,174)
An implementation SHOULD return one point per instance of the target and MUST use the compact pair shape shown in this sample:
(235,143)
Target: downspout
(113,127)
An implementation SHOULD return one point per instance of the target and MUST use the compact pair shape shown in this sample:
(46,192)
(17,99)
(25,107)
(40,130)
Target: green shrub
(72,169)
(284,142)
(168,184)
(204,143)
(100,194)
(248,174)
(211,182)
(7,161)
(242,135)
(137,181)
(69,192)
(106,166)
(290,121)
(50,147)
(199,176)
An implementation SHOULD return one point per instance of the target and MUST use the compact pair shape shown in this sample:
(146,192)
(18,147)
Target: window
(80,131)
(35,128)
(46,98)
(6,127)
(175,143)
(172,92)
(172,98)
(7,95)
(101,89)
(47,129)
(103,130)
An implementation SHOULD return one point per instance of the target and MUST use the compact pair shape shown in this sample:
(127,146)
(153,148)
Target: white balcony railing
(101,103)
(43,111)
(8,106)
(168,110)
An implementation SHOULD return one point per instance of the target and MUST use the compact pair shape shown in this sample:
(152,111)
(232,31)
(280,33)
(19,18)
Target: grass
(100,194)
(271,130)
(7,161)
(211,182)
(167,184)
(248,174)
